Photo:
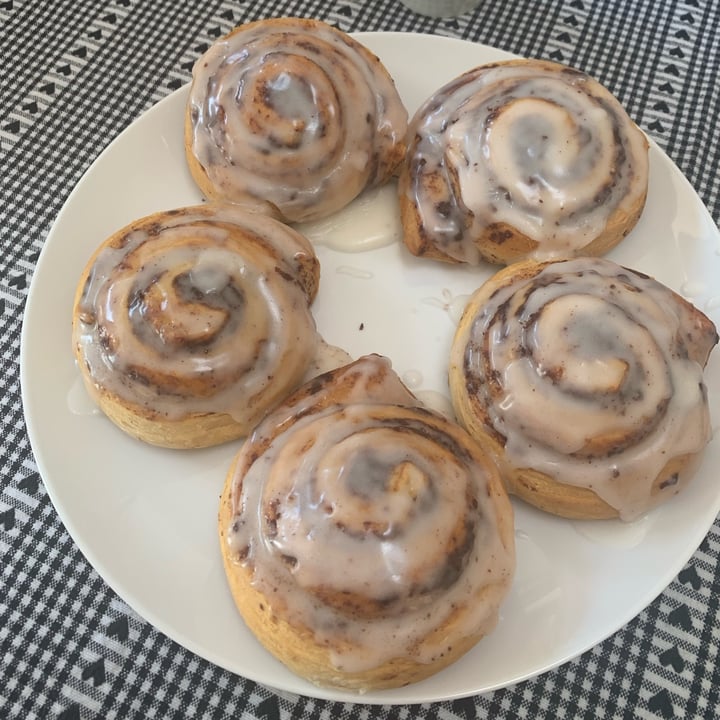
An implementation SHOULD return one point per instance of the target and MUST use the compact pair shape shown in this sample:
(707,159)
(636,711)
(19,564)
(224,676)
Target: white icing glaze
(453,305)
(369,521)
(293,116)
(78,400)
(593,375)
(327,357)
(412,379)
(614,533)
(438,402)
(354,272)
(369,222)
(542,148)
(197,311)
(693,288)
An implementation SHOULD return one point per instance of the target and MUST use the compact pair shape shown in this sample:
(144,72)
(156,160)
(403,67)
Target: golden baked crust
(297,124)
(305,577)
(296,646)
(521,159)
(172,317)
(586,378)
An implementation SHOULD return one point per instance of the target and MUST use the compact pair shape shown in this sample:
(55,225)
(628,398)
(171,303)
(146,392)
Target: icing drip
(388,496)
(535,146)
(611,357)
(197,311)
(294,117)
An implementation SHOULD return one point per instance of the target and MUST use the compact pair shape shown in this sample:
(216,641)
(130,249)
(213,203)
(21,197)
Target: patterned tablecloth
(75,74)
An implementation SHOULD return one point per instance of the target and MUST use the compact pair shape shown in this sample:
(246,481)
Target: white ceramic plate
(145,517)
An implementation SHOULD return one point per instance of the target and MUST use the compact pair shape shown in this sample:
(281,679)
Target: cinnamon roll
(189,325)
(523,159)
(586,378)
(367,541)
(292,117)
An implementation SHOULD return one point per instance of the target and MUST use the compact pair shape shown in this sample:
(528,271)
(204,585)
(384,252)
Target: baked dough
(367,541)
(292,117)
(189,325)
(521,159)
(586,378)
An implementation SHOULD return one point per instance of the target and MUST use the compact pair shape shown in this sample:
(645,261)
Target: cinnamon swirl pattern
(190,324)
(587,378)
(521,159)
(367,541)
(294,117)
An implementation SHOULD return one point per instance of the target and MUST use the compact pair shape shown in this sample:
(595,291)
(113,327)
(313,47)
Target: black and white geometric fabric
(76,72)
